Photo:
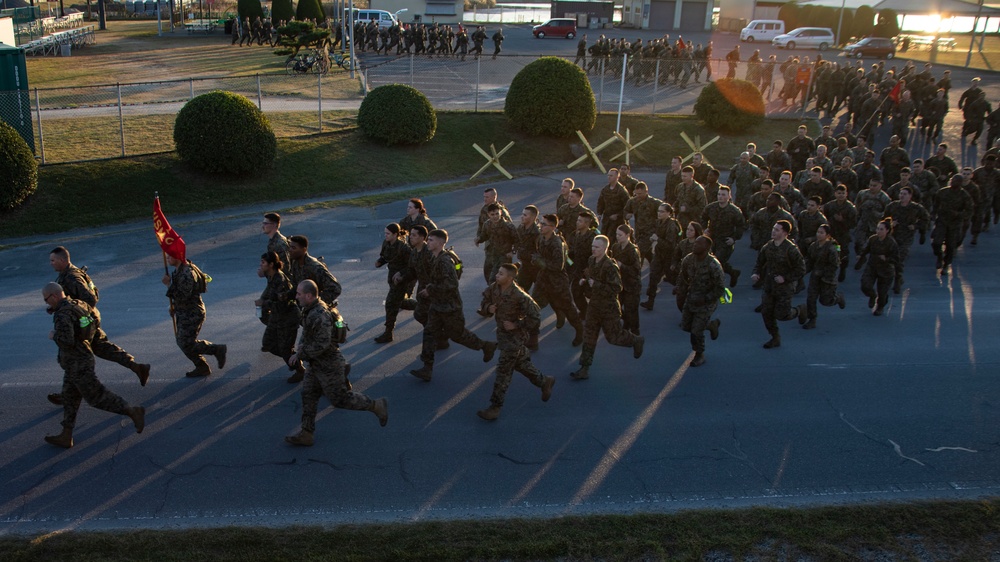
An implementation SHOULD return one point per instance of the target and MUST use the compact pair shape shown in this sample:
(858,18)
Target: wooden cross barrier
(696,145)
(493,160)
(592,152)
(629,147)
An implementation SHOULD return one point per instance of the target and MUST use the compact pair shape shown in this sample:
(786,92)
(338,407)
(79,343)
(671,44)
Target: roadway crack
(516,461)
(738,454)
(403,473)
(886,442)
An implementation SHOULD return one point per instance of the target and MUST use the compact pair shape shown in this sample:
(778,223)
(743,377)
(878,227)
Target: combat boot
(408,304)
(138,416)
(582,374)
(637,344)
(489,349)
(871,301)
(578,338)
(64,439)
(648,304)
(302,439)
(547,385)
(386,336)
(424,373)
(201,371)
(560,320)
(713,328)
(142,371)
(300,373)
(774,342)
(734,277)
(800,311)
(841,302)
(489,414)
(55,398)
(220,355)
(811,324)
(381,409)
(698,359)
(842,275)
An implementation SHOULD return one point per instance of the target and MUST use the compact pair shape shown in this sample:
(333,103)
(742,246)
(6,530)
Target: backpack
(450,251)
(84,323)
(90,284)
(201,279)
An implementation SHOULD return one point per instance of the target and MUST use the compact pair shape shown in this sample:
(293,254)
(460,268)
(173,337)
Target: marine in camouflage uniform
(871,204)
(500,236)
(445,315)
(842,216)
(626,255)
(78,285)
(325,375)
(517,317)
(667,233)
(954,207)
(77,360)
(741,176)
(184,291)
(908,218)
(779,268)
(726,224)
(700,284)
(527,241)
(604,312)
(276,241)
(611,203)
(579,243)
(395,253)
(490,196)
(642,208)
(279,312)
(304,267)
(762,222)
(690,200)
(552,282)
(882,252)
(823,262)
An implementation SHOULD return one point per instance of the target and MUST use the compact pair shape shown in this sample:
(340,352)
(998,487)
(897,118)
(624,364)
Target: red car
(556,27)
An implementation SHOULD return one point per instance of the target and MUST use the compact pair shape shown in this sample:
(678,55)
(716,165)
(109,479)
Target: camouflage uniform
(500,238)
(481,235)
(700,283)
(724,222)
(567,218)
(782,259)
(612,202)
(988,180)
(396,255)
(907,221)
(324,367)
(315,270)
(644,213)
(740,179)
(280,313)
(763,221)
(630,266)
(75,357)
(954,208)
(823,262)
(604,312)
(189,312)
(552,282)
(445,316)
(527,241)
(871,207)
(692,198)
(883,257)
(893,160)
(807,226)
(77,285)
(579,251)
(841,228)
(514,305)
(667,236)
(279,245)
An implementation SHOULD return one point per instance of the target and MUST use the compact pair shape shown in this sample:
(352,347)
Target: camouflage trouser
(107,350)
(874,283)
(904,252)
(492,264)
(325,377)
(604,317)
(80,383)
(776,303)
(513,357)
(581,294)
(695,319)
(393,300)
(819,290)
(279,339)
(948,235)
(554,291)
(189,324)
(630,308)
(450,325)
(659,268)
(645,247)
(723,252)
(526,274)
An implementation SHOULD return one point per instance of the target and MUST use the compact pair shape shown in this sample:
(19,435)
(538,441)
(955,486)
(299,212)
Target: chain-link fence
(95,122)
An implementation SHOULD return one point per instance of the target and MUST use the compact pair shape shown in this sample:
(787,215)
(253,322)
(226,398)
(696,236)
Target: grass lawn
(337,163)
(919,531)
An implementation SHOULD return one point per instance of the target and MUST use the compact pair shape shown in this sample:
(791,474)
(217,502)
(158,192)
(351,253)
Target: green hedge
(310,9)
(222,132)
(551,97)
(18,169)
(281,10)
(249,9)
(732,106)
(397,114)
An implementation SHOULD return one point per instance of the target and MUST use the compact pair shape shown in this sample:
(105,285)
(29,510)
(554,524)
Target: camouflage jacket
(823,261)
(312,268)
(316,340)
(514,305)
(629,265)
(701,282)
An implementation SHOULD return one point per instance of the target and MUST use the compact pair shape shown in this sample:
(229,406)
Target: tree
(282,11)
(296,35)
(310,9)
(864,21)
(887,25)
(789,13)
(730,105)
(249,9)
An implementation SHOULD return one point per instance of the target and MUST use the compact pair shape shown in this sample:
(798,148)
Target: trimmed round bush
(732,106)
(282,10)
(18,169)
(551,97)
(397,114)
(222,132)
(309,9)
(249,9)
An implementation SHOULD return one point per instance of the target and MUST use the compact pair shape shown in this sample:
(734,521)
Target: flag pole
(166,271)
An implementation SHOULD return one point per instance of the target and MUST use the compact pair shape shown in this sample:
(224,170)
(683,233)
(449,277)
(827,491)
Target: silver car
(808,37)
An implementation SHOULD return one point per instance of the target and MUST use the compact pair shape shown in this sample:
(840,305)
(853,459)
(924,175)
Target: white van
(384,18)
(762,30)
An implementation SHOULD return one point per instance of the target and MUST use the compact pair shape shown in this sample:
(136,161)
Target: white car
(809,37)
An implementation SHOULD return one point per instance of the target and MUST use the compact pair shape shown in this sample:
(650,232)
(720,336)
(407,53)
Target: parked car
(809,37)
(762,30)
(880,47)
(555,27)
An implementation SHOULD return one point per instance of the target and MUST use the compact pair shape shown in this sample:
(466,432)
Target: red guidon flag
(894,93)
(171,242)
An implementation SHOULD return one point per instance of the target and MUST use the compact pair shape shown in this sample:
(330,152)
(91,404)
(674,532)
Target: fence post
(479,66)
(191,82)
(38,115)
(260,101)
(319,98)
(411,72)
(600,97)
(621,92)
(656,84)
(121,118)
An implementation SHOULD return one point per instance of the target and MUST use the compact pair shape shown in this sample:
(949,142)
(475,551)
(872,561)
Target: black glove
(923,238)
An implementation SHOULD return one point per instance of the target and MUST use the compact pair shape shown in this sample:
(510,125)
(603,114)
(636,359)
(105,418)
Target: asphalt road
(862,408)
